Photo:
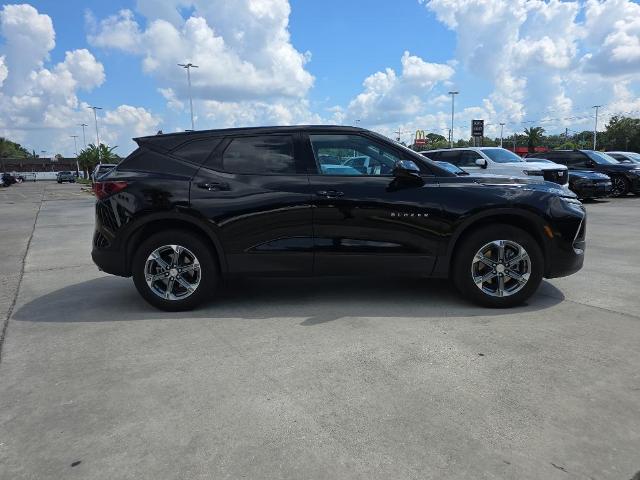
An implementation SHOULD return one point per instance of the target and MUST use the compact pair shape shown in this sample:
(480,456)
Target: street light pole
(501,132)
(75,145)
(84,138)
(595,127)
(453,96)
(95,118)
(188,67)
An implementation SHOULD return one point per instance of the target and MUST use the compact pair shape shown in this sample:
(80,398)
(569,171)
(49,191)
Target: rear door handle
(214,186)
(329,193)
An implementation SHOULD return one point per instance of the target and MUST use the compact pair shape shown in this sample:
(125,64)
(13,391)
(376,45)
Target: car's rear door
(370,222)
(254,191)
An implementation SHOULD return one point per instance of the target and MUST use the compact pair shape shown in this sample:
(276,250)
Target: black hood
(587,174)
(619,168)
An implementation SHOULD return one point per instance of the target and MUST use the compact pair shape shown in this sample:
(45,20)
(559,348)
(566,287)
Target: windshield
(631,157)
(600,158)
(501,155)
(450,167)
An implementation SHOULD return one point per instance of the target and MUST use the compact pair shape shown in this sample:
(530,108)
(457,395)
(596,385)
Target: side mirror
(406,168)
(481,162)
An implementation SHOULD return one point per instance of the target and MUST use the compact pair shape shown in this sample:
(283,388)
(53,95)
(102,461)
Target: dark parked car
(8,179)
(186,209)
(625,157)
(624,177)
(66,177)
(584,183)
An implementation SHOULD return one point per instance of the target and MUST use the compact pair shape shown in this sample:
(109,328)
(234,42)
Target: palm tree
(89,157)
(534,136)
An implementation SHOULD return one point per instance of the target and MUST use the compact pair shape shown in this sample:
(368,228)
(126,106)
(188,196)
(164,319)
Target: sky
(386,65)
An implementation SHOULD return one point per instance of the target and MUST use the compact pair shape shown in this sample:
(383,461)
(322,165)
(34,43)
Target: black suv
(625,178)
(185,210)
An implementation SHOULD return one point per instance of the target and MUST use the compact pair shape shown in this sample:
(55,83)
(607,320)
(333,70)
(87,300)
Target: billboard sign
(477,128)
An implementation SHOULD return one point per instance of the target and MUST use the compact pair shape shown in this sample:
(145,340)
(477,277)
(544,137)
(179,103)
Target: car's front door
(254,190)
(365,219)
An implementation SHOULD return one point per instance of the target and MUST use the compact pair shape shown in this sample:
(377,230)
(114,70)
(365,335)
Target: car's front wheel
(620,186)
(498,266)
(175,270)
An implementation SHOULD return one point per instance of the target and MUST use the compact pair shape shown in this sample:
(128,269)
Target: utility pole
(595,127)
(75,145)
(453,96)
(188,67)
(84,138)
(95,117)
(501,132)
(399,132)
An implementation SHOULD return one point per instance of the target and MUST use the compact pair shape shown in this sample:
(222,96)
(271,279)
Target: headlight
(537,173)
(572,203)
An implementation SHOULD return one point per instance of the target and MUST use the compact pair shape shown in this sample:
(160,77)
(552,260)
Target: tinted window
(572,159)
(468,158)
(619,157)
(451,156)
(196,151)
(600,158)
(431,155)
(267,154)
(502,155)
(352,155)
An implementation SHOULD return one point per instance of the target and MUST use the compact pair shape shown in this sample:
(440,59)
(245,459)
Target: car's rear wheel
(175,270)
(620,186)
(498,266)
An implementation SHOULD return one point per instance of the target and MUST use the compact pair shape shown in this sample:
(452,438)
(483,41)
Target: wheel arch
(523,219)
(174,221)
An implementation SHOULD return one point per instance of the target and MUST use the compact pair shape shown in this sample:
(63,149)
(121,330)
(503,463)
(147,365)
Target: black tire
(461,272)
(208,269)
(621,186)
(59,181)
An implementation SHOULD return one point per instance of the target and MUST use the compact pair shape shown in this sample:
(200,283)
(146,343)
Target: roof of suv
(462,148)
(171,140)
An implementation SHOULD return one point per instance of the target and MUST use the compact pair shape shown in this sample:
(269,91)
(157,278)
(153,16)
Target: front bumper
(596,190)
(566,249)
(634,181)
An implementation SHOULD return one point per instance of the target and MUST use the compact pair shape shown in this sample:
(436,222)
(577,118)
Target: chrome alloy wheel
(501,268)
(172,272)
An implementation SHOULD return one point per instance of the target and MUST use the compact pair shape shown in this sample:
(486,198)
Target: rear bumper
(109,261)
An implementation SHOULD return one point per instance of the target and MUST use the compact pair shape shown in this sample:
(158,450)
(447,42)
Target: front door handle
(329,193)
(214,186)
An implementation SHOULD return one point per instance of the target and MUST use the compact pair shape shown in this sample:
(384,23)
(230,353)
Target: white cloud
(116,31)
(39,103)
(545,61)
(4,71)
(388,97)
(29,39)
(125,122)
(243,50)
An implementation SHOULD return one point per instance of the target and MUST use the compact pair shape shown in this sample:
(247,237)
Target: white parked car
(499,161)
(102,169)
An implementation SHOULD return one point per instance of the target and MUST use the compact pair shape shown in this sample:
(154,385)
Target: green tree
(622,133)
(534,137)
(9,149)
(89,157)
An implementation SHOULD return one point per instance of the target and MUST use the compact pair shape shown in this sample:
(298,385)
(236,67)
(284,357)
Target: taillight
(106,189)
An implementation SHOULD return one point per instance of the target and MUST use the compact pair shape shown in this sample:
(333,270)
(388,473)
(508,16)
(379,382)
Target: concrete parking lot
(318,378)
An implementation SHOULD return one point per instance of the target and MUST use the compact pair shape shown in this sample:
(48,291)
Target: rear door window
(452,156)
(197,151)
(264,154)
